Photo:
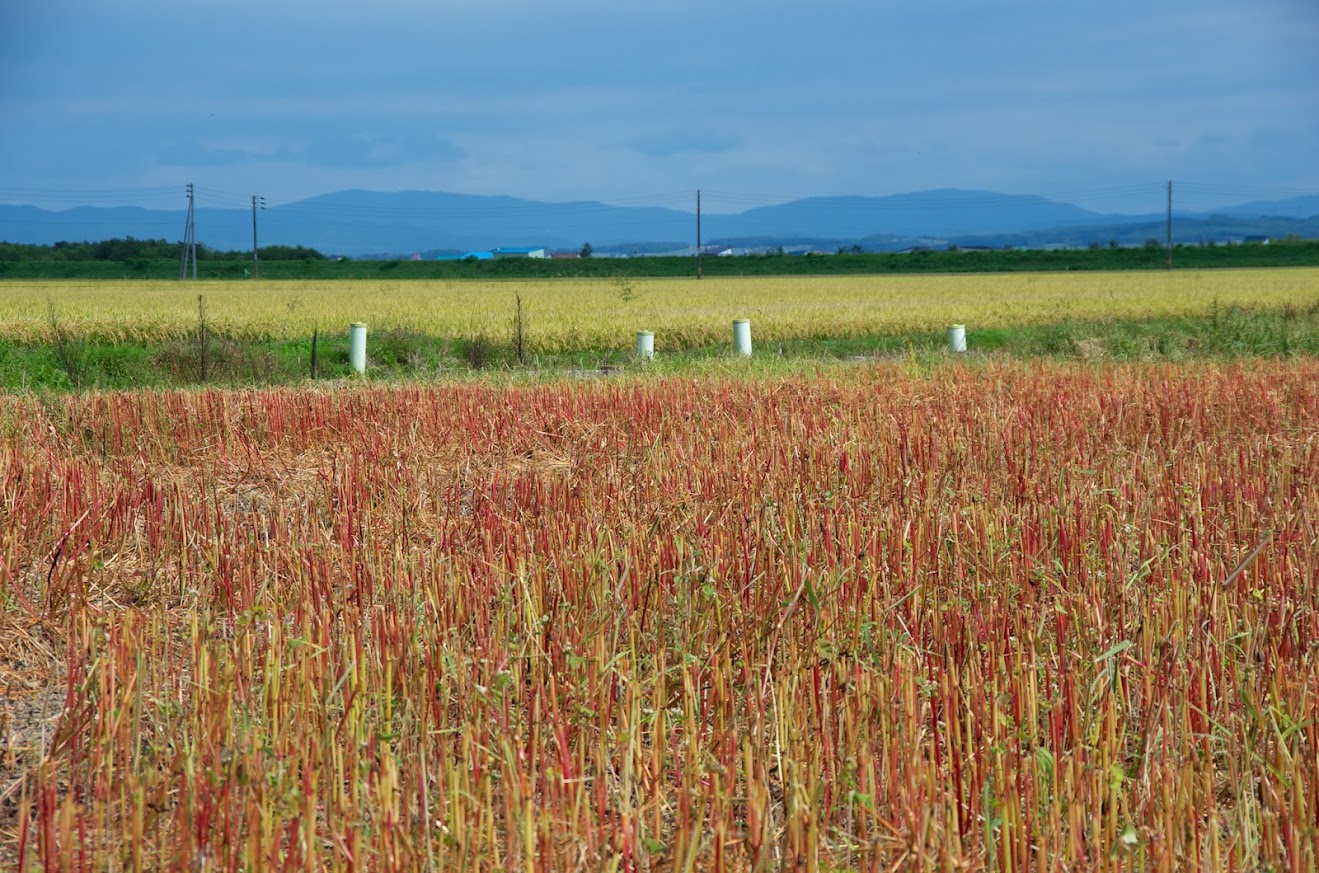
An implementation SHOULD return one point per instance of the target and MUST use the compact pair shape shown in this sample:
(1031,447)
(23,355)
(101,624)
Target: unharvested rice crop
(570,315)
(1008,616)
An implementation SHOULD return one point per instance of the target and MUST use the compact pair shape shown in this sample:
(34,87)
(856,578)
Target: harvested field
(1014,616)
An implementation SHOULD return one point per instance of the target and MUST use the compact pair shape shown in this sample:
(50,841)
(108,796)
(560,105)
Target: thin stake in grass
(202,353)
(70,354)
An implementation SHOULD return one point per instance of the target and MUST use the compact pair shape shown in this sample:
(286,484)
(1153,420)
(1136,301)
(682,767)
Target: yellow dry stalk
(571,314)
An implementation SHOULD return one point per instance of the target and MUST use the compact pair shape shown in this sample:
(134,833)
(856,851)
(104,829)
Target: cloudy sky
(643,103)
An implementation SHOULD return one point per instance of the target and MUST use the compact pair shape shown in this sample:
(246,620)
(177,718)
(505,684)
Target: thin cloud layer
(588,100)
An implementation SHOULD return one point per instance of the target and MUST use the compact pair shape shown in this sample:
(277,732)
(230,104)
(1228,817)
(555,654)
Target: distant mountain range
(356,223)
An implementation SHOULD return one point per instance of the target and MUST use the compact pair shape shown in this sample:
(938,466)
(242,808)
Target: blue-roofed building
(519,252)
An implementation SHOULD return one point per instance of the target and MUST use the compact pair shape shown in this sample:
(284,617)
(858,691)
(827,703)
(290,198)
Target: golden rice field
(604,313)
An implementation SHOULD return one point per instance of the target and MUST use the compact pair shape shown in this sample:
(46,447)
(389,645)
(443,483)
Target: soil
(32,695)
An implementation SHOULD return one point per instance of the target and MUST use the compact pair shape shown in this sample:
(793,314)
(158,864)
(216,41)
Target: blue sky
(752,102)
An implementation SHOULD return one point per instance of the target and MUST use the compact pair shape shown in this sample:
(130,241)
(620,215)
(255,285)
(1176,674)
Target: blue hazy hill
(356,222)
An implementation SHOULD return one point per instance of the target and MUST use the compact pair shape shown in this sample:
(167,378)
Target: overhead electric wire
(1254,192)
(215,199)
(483,209)
(950,198)
(72,198)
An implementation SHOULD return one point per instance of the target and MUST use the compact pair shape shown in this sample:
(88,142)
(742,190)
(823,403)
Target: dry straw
(1004,616)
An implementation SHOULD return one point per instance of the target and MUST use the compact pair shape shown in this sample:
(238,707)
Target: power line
(1254,191)
(84,197)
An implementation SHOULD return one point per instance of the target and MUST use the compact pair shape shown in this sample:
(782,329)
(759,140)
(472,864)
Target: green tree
(586,250)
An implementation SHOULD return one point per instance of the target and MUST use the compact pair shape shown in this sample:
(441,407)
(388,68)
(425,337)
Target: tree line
(128,249)
(159,259)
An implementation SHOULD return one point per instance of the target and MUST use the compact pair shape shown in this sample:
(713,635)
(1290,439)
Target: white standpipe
(357,346)
(646,345)
(742,337)
(957,338)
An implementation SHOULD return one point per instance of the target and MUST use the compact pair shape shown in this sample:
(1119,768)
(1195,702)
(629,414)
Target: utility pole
(698,233)
(1169,264)
(189,241)
(256,261)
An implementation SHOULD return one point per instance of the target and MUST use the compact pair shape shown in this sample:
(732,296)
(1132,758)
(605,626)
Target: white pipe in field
(646,345)
(957,338)
(742,337)
(357,346)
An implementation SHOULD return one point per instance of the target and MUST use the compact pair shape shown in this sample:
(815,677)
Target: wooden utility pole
(1169,264)
(256,261)
(698,233)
